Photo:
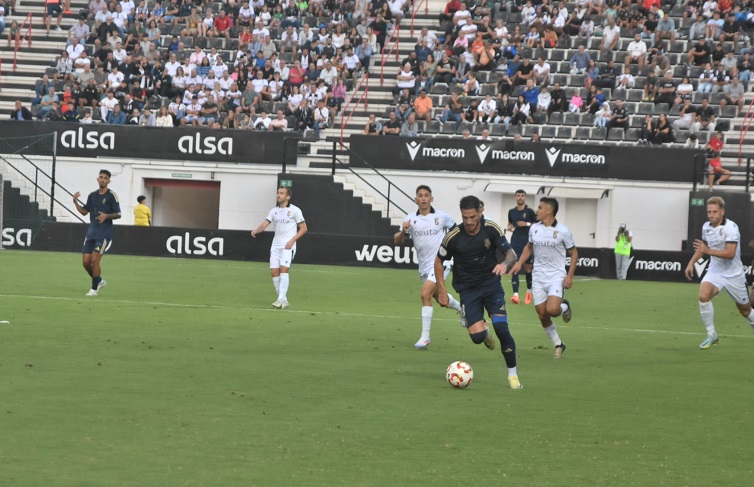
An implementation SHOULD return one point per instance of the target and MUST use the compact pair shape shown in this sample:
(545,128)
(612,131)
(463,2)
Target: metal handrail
(364,96)
(390,184)
(35,181)
(747,121)
(700,171)
(395,47)
(416,7)
(26,37)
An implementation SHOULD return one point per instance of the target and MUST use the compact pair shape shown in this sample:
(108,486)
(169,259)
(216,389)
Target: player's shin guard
(95,282)
(528,280)
(514,282)
(426,321)
(478,337)
(507,344)
(276,283)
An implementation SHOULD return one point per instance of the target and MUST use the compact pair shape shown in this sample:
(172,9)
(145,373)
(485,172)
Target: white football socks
(750,319)
(276,283)
(453,303)
(553,334)
(512,371)
(563,308)
(426,321)
(283,290)
(707,312)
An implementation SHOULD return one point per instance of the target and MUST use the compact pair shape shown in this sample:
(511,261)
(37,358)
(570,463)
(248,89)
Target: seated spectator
(20,113)
(471,87)
(663,132)
(423,106)
(602,116)
(409,127)
(592,74)
(392,126)
(262,122)
(636,52)
(715,169)
(576,103)
(221,26)
(626,80)
(116,116)
(610,36)
(453,110)
(619,118)
(47,102)
(665,29)
(321,116)
(579,61)
(647,130)
(734,95)
(650,86)
(544,100)
(372,127)
(521,111)
(666,91)
(164,118)
(405,79)
(699,55)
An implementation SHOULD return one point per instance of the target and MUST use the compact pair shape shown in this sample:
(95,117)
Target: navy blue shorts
(99,245)
(490,297)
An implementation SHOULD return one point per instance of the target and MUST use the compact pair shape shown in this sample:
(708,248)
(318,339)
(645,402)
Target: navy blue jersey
(520,236)
(98,203)
(474,256)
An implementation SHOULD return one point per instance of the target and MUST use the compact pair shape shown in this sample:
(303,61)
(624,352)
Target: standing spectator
(53,8)
(142,213)
(623,251)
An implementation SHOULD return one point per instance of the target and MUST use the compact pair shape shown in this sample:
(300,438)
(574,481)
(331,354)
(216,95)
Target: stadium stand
(566,48)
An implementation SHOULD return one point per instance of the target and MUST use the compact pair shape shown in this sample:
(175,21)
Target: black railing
(701,172)
(335,161)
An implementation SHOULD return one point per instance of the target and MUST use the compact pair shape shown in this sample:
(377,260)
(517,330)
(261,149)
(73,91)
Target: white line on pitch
(335,313)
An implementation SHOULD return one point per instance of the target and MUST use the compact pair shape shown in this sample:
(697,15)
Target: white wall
(657,213)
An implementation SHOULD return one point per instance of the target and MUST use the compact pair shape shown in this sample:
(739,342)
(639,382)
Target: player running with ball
(427,227)
(481,254)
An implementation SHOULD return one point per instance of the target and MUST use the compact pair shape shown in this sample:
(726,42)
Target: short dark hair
(141,199)
(105,171)
(552,202)
(520,191)
(470,203)
(423,186)
(287,190)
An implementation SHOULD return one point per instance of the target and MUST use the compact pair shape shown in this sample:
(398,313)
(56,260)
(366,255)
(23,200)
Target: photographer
(622,251)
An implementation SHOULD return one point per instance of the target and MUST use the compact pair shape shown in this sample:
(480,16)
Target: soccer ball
(459,375)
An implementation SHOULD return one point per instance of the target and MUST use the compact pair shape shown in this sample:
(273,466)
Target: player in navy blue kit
(103,207)
(520,218)
(481,254)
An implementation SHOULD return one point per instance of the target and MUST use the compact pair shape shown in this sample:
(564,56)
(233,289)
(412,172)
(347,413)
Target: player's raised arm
(79,208)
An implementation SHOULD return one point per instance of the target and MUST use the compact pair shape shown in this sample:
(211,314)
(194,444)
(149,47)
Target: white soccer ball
(460,375)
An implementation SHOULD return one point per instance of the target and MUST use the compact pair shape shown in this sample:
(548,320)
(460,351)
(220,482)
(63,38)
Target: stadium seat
(557,118)
(616,134)
(433,127)
(632,135)
(439,88)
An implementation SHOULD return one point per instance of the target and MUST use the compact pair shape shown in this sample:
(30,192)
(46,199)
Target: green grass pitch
(181,373)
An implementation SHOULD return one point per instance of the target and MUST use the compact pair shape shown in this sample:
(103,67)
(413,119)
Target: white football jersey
(286,222)
(716,238)
(549,245)
(427,232)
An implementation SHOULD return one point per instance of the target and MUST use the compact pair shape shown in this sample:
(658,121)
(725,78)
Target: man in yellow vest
(142,213)
(623,251)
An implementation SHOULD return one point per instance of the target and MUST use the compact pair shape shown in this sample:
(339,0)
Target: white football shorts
(542,290)
(734,286)
(281,257)
(430,274)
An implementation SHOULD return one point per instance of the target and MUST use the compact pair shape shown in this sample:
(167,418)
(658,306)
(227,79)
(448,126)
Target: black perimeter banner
(525,158)
(322,249)
(177,143)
